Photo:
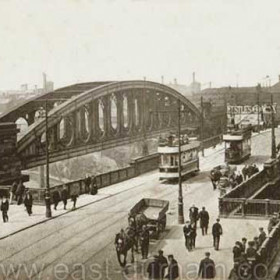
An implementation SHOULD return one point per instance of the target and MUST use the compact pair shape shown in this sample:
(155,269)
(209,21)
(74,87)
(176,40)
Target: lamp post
(180,192)
(47,192)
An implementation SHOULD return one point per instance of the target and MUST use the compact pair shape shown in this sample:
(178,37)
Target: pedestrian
(204,220)
(244,241)
(272,222)
(93,186)
(163,263)
(256,243)
(245,172)
(217,231)
(56,198)
(19,192)
(173,268)
(239,178)
(28,202)
(207,268)
(154,269)
(193,235)
(193,214)
(262,236)
(5,209)
(236,252)
(187,234)
(251,252)
(255,169)
(87,183)
(74,198)
(64,196)
(250,171)
(13,192)
(145,241)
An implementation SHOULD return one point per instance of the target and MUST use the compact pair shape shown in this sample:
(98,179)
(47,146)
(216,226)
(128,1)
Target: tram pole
(180,193)
(201,125)
(273,144)
(258,104)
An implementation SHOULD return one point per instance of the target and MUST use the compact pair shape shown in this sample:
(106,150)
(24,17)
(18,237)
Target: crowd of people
(246,257)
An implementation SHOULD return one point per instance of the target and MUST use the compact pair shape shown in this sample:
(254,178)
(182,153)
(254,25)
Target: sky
(223,41)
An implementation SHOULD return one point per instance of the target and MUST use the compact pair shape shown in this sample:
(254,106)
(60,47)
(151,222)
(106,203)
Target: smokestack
(44,81)
(175,81)
(162,80)
(193,76)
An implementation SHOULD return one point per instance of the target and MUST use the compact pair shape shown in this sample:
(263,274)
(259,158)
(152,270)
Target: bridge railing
(241,201)
(138,166)
(212,141)
(270,247)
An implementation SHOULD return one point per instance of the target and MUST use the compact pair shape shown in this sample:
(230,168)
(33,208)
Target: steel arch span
(99,116)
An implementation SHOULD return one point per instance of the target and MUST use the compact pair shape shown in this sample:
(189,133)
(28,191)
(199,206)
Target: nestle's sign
(248,109)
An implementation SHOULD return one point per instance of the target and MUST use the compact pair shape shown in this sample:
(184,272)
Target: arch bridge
(88,117)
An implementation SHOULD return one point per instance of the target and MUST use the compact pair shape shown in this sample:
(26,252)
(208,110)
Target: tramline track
(166,193)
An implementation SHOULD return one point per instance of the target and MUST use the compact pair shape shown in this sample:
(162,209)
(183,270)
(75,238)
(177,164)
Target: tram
(169,157)
(237,144)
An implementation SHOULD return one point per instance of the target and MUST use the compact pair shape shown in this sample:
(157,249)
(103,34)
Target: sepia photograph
(139,139)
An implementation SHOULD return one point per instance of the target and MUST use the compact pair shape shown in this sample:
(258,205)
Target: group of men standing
(20,194)
(190,228)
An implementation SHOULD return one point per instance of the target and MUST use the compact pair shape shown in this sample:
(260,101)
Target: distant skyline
(223,41)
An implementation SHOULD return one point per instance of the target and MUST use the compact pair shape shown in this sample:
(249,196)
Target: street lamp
(180,192)
(273,144)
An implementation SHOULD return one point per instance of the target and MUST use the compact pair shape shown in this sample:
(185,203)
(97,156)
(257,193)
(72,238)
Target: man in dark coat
(74,198)
(207,268)
(236,252)
(245,172)
(20,192)
(217,231)
(28,202)
(5,209)
(145,241)
(87,184)
(193,214)
(93,186)
(163,263)
(173,269)
(56,198)
(154,269)
(64,196)
(204,220)
(187,234)
(193,235)
(239,178)
(262,236)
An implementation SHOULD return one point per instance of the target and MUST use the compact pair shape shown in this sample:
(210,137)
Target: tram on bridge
(169,156)
(237,144)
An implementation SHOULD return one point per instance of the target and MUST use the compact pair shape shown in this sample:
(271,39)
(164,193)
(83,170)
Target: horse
(136,223)
(124,242)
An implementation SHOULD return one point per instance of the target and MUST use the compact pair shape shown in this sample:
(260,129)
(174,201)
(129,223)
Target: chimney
(162,80)
(175,81)
(44,81)
(193,76)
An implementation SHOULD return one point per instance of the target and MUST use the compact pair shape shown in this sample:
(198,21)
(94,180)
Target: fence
(240,201)
(270,247)
(137,166)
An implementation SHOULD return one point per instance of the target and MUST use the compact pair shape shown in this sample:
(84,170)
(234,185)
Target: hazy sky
(127,39)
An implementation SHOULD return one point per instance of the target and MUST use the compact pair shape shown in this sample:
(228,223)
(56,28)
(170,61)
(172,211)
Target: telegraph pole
(47,193)
(180,193)
(273,144)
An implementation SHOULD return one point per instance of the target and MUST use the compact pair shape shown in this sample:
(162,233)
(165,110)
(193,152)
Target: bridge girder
(105,116)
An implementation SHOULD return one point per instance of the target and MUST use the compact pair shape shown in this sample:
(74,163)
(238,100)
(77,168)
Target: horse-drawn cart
(152,213)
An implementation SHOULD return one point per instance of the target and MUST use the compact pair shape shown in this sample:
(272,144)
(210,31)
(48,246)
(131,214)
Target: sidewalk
(19,219)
